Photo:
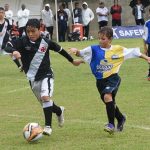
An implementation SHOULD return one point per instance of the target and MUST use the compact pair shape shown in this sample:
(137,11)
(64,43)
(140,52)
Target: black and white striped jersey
(35,56)
(4,38)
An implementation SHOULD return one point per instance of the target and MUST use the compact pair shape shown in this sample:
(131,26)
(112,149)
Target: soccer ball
(32,132)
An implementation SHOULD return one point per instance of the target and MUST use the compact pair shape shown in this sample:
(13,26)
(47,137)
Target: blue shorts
(108,85)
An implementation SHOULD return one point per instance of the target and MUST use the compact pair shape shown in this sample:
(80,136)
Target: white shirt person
(23,16)
(8,14)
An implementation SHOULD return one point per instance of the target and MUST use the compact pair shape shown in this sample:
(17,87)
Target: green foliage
(85,113)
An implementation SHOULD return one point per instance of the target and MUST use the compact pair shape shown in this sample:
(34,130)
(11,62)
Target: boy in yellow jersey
(146,41)
(105,61)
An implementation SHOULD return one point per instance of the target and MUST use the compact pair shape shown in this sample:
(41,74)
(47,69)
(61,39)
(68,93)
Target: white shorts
(43,87)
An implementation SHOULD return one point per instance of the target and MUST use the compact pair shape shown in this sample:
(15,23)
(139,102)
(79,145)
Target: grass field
(85,113)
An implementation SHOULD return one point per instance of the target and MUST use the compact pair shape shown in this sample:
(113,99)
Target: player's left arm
(57,48)
(145,57)
(75,62)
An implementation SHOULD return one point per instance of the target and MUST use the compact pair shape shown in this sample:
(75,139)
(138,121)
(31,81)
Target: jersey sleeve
(54,46)
(86,54)
(145,35)
(13,45)
(57,48)
(131,53)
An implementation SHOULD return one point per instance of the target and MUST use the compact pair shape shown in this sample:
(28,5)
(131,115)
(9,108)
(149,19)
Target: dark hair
(101,3)
(76,3)
(33,23)
(1,8)
(106,31)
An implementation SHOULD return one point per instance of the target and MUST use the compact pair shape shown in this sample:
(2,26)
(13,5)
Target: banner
(128,32)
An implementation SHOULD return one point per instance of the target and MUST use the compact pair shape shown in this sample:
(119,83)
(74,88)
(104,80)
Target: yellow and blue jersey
(105,62)
(146,35)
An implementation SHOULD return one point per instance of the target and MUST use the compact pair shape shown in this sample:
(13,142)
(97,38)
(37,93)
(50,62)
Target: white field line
(2,78)
(17,90)
(83,122)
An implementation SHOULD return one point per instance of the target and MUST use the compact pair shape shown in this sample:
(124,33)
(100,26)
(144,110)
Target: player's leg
(46,103)
(148,53)
(121,118)
(58,110)
(17,62)
(111,85)
(106,96)
(110,109)
(47,87)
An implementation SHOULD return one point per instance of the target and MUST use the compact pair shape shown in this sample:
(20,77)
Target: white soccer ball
(32,132)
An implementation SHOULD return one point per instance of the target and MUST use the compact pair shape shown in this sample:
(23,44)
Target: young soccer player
(105,61)
(5,27)
(146,41)
(33,50)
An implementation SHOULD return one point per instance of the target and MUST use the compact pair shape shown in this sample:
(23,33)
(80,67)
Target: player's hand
(145,52)
(77,62)
(148,60)
(16,54)
(73,50)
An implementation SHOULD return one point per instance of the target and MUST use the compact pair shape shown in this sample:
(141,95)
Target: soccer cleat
(21,69)
(47,130)
(121,124)
(61,117)
(148,78)
(109,128)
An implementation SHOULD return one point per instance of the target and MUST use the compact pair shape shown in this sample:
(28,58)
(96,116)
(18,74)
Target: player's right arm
(145,38)
(145,47)
(11,47)
(86,53)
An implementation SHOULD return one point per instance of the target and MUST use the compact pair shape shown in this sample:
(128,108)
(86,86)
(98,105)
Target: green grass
(85,113)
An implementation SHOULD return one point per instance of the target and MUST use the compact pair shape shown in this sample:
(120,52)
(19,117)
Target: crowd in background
(81,14)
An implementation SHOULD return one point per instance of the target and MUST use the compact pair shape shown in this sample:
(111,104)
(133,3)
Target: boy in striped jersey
(33,50)
(105,61)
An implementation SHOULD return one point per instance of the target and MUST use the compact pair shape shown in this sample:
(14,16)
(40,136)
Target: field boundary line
(83,121)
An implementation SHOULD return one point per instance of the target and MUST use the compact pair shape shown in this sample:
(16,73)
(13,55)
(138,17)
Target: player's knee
(107,98)
(45,98)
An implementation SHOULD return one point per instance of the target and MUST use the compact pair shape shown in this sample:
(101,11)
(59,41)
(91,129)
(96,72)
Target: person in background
(87,17)
(34,52)
(66,9)
(146,41)
(116,11)
(9,14)
(105,60)
(5,36)
(62,18)
(44,32)
(23,16)
(102,15)
(47,17)
(77,14)
(138,12)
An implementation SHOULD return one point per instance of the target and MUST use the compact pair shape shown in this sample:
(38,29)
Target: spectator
(87,17)
(47,16)
(138,11)
(77,14)
(64,5)
(43,31)
(102,15)
(9,14)
(23,16)
(62,23)
(116,11)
